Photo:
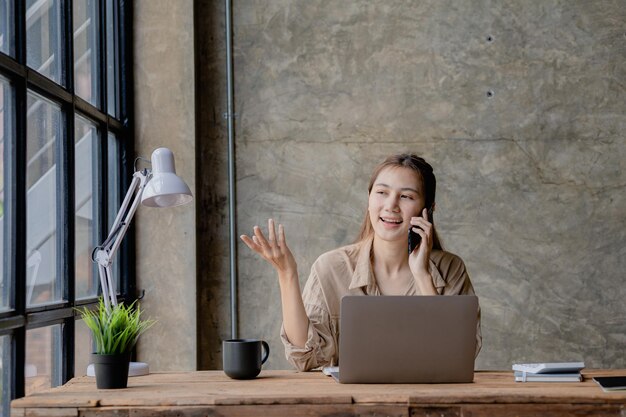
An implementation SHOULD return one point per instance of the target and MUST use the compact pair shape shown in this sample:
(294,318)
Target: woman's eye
(380,192)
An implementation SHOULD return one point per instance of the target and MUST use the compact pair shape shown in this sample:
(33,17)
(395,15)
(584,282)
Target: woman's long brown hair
(429,185)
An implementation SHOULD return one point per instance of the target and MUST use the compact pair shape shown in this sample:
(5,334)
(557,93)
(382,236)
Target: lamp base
(134,369)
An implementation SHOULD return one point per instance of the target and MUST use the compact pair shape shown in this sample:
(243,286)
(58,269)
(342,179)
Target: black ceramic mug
(243,357)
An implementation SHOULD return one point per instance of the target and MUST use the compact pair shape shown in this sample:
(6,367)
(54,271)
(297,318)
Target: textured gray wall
(165,116)
(519,106)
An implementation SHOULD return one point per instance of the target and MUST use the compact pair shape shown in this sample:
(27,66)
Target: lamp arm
(124,225)
(103,255)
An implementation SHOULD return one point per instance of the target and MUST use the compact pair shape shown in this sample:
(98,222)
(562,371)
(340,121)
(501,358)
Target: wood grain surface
(207,393)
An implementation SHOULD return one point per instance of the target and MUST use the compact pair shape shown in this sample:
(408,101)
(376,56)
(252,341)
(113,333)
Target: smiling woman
(401,199)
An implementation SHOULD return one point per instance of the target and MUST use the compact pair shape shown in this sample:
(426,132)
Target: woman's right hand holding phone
(419,258)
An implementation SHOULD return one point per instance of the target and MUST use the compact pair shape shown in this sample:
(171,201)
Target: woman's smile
(391,223)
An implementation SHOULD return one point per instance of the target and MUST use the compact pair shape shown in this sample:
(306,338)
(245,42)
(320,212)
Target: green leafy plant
(116,330)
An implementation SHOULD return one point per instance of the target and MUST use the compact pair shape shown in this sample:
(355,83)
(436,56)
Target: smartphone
(414,238)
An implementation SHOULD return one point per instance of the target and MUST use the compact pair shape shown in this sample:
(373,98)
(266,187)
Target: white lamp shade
(165,188)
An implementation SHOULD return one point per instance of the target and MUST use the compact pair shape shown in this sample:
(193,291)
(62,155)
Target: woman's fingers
(251,243)
(270,241)
(248,241)
(282,242)
(426,227)
(421,223)
(420,220)
(422,227)
(273,249)
(260,238)
(271,231)
(274,246)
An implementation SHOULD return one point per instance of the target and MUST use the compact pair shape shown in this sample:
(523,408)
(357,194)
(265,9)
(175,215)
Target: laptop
(407,339)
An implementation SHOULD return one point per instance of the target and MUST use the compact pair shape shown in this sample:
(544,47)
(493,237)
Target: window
(65,137)
(44,49)
(6,117)
(6,27)
(86,141)
(44,135)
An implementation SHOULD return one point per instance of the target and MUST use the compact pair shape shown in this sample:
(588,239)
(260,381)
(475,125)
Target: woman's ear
(431,210)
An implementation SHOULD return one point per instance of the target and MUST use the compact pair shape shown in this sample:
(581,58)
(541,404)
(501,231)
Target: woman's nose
(392,204)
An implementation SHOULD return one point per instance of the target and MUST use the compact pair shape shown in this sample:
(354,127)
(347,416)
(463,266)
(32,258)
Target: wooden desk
(289,393)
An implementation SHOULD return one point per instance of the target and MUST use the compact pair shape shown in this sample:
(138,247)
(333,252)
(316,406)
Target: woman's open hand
(274,249)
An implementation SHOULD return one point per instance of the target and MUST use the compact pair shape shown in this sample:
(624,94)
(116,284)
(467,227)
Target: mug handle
(266,347)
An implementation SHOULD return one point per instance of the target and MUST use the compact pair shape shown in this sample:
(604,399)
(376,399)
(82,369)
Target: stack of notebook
(548,372)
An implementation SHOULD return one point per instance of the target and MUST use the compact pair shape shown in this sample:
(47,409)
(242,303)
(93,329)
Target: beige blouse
(348,271)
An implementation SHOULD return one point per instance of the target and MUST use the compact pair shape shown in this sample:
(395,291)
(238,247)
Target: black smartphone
(414,238)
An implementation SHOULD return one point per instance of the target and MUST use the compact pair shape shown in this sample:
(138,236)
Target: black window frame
(15,322)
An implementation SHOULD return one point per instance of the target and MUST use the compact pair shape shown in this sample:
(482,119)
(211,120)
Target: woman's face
(396,196)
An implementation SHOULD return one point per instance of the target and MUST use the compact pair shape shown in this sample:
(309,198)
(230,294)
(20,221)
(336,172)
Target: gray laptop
(407,339)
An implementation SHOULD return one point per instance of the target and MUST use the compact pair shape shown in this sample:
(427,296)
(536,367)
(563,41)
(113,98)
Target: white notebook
(549,367)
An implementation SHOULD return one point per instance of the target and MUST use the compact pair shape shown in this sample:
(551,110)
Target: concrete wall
(518,105)
(165,116)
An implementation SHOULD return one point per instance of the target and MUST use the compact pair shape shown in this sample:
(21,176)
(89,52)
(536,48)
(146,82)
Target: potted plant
(115,331)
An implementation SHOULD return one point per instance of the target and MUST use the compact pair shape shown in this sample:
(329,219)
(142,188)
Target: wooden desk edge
(80,392)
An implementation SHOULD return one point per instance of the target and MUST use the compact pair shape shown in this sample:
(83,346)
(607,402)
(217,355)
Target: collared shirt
(348,271)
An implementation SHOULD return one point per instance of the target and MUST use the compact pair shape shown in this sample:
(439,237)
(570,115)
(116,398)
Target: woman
(401,196)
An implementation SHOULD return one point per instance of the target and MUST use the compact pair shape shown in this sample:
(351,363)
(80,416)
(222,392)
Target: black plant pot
(111,370)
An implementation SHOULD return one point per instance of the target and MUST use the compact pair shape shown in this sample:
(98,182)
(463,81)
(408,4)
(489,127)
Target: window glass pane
(43,38)
(113,195)
(112,73)
(43,358)
(86,139)
(6,118)
(43,133)
(83,348)
(5,358)
(86,50)
(6,27)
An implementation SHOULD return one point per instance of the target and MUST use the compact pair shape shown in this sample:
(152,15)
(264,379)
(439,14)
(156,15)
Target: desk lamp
(160,187)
